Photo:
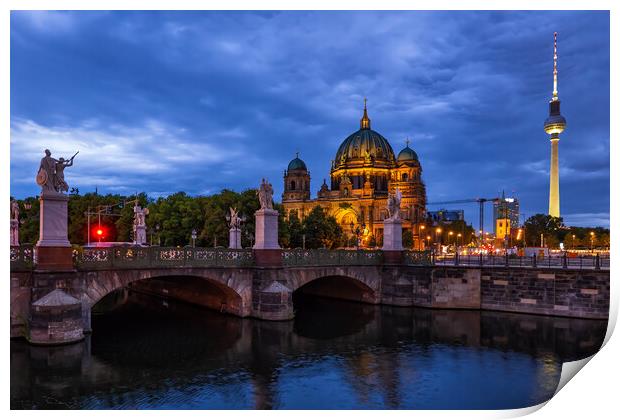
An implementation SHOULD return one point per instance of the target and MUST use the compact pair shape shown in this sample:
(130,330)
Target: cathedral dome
(407,154)
(365,146)
(297,164)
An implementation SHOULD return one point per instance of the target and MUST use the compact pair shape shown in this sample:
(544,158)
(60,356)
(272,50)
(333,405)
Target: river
(146,352)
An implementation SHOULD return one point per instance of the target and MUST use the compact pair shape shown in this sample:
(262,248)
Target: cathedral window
(405,177)
(292,185)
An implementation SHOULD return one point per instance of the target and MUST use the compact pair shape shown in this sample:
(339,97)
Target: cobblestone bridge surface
(55,306)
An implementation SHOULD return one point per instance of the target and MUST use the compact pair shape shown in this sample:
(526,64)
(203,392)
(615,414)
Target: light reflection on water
(335,354)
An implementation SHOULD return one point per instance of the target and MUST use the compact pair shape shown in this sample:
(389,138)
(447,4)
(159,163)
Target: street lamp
(437,232)
(422,227)
(450,236)
(592,241)
(458,240)
(194,238)
(573,243)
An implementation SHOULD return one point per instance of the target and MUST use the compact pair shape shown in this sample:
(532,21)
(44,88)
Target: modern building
(554,125)
(505,216)
(446,216)
(363,172)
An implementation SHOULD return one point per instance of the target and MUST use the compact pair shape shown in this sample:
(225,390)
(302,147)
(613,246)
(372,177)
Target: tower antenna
(555,66)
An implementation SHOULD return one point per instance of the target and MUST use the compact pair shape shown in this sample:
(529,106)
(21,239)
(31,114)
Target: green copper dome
(407,154)
(363,145)
(297,164)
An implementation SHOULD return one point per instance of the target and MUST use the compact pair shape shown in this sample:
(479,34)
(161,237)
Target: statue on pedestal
(233,219)
(14,223)
(265,195)
(51,175)
(234,222)
(393,206)
(139,224)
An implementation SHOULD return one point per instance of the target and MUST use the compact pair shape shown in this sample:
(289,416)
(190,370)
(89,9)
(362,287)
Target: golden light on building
(364,171)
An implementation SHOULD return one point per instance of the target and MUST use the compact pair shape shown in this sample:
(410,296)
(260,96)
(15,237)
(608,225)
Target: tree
(407,239)
(291,232)
(550,227)
(321,230)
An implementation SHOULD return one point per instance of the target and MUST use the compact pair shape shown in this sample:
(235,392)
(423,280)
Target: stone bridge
(54,306)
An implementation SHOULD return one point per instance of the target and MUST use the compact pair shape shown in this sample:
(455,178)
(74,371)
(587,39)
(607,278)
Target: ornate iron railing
(324,257)
(159,257)
(417,258)
(22,257)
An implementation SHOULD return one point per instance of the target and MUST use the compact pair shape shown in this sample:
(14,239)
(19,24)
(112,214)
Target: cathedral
(362,174)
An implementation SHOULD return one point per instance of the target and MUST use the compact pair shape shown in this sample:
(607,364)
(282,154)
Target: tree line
(172,219)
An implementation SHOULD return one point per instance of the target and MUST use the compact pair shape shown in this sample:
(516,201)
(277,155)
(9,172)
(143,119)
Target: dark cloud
(240,93)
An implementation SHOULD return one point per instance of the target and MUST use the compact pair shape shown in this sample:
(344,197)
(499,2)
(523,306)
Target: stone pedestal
(56,318)
(53,247)
(234,238)
(14,232)
(140,235)
(53,220)
(392,235)
(266,229)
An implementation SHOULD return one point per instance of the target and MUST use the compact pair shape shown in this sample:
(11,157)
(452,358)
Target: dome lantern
(365,121)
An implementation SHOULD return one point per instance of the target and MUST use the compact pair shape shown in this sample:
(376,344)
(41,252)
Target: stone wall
(573,293)
(576,293)
(266,293)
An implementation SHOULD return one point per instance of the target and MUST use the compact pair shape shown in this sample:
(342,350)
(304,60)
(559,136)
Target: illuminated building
(364,170)
(505,216)
(554,125)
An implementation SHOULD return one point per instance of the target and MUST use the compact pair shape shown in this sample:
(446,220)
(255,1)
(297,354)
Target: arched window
(346,192)
(292,185)
(405,177)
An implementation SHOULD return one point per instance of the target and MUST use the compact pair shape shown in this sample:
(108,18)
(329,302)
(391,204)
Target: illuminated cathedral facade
(362,174)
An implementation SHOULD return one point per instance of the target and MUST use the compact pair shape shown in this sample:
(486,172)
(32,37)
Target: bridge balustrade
(160,257)
(417,258)
(328,257)
(22,257)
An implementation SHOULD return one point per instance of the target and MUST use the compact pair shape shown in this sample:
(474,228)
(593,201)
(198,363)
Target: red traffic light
(99,232)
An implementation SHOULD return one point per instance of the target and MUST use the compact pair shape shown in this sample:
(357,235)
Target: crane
(480,201)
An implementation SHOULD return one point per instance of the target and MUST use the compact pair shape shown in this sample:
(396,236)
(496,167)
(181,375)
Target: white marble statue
(14,210)
(234,219)
(265,195)
(393,206)
(139,224)
(14,223)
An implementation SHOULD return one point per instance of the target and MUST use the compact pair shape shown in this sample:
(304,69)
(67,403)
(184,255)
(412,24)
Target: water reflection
(151,353)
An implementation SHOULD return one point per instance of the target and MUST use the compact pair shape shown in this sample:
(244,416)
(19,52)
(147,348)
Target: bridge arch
(223,290)
(357,283)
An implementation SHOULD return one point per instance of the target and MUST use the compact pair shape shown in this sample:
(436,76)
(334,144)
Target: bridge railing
(22,257)
(584,262)
(159,257)
(417,258)
(328,257)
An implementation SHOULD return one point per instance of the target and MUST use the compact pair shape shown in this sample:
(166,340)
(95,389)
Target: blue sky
(199,101)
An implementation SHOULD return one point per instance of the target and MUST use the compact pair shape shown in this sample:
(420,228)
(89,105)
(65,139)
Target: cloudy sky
(199,101)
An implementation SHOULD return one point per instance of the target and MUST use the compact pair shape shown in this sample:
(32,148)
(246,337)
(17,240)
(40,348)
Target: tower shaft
(554,180)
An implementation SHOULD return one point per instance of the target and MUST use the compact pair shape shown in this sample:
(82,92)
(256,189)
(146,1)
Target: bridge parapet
(162,257)
(328,257)
(22,257)
(417,258)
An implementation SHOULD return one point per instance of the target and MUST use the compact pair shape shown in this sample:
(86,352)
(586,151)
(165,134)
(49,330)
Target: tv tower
(554,125)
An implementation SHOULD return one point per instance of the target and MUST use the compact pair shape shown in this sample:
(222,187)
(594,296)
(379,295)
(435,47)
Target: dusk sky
(200,101)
